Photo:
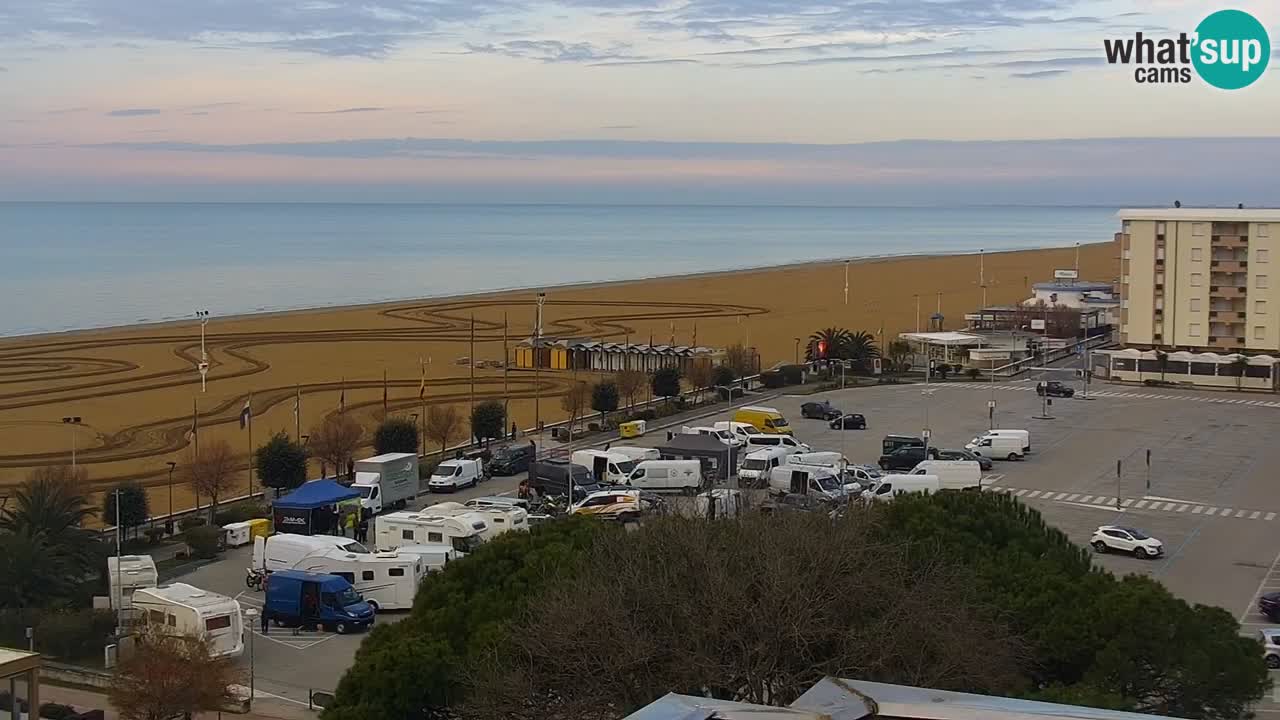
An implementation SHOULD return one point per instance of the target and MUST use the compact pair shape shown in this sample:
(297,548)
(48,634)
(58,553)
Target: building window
(1125,279)
(1160,253)
(406,534)
(1197,254)
(1193,330)
(1260,332)
(1260,281)
(1195,304)
(1159,228)
(1263,254)
(1196,279)
(1264,230)
(1260,307)
(1197,229)
(1126,255)
(366,574)
(435,537)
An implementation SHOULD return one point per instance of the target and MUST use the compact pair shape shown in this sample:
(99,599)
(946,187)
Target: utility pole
(1118,485)
(917,312)
(203,366)
(473,367)
(506,358)
(119,574)
(297,412)
(846,282)
(72,421)
(1077,266)
(537,366)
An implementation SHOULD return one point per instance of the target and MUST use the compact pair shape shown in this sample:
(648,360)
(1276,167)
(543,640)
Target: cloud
(553,51)
(659,61)
(343,111)
(133,112)
(619,127)
(1039,74)
(913,58)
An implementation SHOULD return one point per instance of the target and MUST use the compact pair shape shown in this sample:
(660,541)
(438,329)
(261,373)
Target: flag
(297,401)
(422,386)
(245,414)
(384,391)
(342,397)
(190,434)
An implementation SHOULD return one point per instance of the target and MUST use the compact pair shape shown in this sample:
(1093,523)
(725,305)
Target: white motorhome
(128,573)
(500,518)
(682,476)
(1001,444)
(952,474)
(740,430)
(636,454)
(891,485)
(463,532)
(284,551)
(724,436)
(764,440)
(387,580)
(187,610)
(756,466)
(434,557)
(608,467)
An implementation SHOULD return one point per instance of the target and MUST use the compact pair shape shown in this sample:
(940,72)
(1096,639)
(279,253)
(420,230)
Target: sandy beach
(134,388)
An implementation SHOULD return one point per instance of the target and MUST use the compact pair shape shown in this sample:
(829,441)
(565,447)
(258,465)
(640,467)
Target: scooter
(255,579)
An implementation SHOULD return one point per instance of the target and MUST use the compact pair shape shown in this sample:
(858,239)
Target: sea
(67,266)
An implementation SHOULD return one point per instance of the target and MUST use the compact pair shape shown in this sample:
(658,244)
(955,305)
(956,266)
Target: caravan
(498,518)
(187,610)
(282,552)
(387,581)
(463,532)
(127,574)
(434,557)
(608,467)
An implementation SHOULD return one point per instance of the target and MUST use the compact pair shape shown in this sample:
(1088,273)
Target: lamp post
(846,282)
(421,438)
(203,367)
(119,572)
(797,351)
(168,524)
(73,421)
(250,614)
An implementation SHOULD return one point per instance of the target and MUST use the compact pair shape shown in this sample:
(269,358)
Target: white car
(1270,638)
(454,474)
(1108,538)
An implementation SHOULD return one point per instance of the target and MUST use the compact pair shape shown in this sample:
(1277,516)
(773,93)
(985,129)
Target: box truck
(296,598)
(187,610)
(387,482)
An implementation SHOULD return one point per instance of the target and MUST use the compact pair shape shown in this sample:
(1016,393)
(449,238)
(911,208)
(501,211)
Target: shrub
(239,512)
(55,711)
(792,374)
(154,534)
(205,542)
(193,521)
(74,634)
(772,379)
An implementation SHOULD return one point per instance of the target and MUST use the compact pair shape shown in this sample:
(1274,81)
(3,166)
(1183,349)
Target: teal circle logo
(1231,49)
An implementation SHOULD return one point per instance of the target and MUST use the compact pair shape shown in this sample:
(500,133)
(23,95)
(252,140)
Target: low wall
(1222,382)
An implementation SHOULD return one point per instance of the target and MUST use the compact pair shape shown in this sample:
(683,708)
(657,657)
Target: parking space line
(1034,493)
(1071,498)
(1181,508)
(1169,506)
(1059,496)
(1241,513)
(1086,499)
(1197,510)
(1270,516)
(1211,511)
(1127,503)
(1253,516)
(1141,504)
(1225,513)
(1104,500)
(1254,599)
(1021,492)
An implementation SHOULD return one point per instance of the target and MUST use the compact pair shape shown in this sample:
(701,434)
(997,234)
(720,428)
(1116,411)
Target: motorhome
(502,501)
(284,551)
(187,610)
(765,419)
(463,532)
(761,441)
(128,573)
(755,467)
(386,482)
(683,476)
(636,454)
(740,430)
(608,467)
(499,518)
(724,436)
(434,557)
(952,474)
(891,485)
(999,446)
(386,580)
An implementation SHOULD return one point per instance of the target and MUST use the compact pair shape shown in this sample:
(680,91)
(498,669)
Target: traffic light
(822,349)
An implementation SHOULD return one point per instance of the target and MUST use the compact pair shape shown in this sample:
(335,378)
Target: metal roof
(688,707)
(1201,214)
(13,661)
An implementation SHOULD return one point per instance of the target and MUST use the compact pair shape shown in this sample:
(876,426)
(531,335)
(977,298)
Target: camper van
(765,419)
(891,485)
(755,467)
(806,480)
(683,476)
(740,430)
(187,610)
(788,443)
(501,501)
(952,474)
(462,531)
(608,467)
(128,573)
(284,551)
(386,580)
(1001,444)
(636,454)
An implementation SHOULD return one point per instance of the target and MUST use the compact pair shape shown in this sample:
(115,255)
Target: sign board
(925,433)
(876,366)
(991,403)
(1066,274)
(1037,324)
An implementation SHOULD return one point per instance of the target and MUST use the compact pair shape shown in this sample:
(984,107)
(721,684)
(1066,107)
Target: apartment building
(1200,280)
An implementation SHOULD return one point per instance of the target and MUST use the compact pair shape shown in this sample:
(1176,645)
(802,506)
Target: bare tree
(169,675)
(699,375)
(1063,322)
(444,423)
(848,606)
(575,402)
(630,383)
(211,472)
(335,440)
(740,360)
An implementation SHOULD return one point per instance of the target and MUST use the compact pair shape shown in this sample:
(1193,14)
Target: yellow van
(765,419)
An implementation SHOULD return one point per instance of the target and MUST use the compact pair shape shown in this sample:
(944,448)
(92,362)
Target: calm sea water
(80,265)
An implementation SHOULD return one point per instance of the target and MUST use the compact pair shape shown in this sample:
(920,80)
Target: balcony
(1231,241)
(1227,291)
(1229,266)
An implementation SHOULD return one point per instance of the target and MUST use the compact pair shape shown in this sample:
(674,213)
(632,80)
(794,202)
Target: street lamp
(168,523)
(250,614)
(797,351)
(203,367)
(73,421)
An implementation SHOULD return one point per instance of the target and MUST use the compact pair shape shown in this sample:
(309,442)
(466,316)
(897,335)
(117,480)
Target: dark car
(851,421)
(1269,605)
(905,458)
(893,442)
(819,411)
(984,463)
(1053,388)
(550,479)
(511,460)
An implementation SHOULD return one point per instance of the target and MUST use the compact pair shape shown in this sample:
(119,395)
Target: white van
(756,466)
(1023,435)
(806,480)
(608,467)
(890,485)
(684,476)
(833,460)
(128,573)
(1004,447)
(952,474)
(761,441)
(283,551)
(463,531)
(724,436)
(740,430)
(187,610)
(387,580)
(636,454)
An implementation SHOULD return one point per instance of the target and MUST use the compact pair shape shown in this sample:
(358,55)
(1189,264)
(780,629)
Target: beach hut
(311,509)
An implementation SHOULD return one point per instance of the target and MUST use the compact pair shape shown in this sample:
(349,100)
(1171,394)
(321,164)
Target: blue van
(296,598)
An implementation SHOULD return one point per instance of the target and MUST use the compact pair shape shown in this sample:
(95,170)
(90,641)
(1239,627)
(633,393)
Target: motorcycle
(255,579)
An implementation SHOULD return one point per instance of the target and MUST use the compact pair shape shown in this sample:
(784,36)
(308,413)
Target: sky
(719,101)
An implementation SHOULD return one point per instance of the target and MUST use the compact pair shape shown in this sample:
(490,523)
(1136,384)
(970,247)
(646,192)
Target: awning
(314,494)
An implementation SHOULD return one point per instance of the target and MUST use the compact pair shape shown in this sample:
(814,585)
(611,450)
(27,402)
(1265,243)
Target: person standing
(362,530)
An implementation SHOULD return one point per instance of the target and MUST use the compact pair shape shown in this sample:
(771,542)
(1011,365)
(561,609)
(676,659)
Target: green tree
(395,435)
(722,376)
(51,509)
(836,341)
(281,463)
(34,574)
(630,383)
(899,351)
(666,382)
(134,508)
(489,420)
(860,347)
(604,399)
(741,360)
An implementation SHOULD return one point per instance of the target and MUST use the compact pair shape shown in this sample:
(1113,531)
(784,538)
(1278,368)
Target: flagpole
(249,407)
(195,431)
(297,414)
(506,358)
(473,372)
(422,398)
(384,391)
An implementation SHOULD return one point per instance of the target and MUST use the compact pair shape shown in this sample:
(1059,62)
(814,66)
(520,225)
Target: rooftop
(1074,286)
(1202,214)
(13,661)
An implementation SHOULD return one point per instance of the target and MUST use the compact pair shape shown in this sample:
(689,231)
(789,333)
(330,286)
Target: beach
(136,389)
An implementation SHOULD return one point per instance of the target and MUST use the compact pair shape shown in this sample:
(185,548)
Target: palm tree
(1162,362)
(50,510)
(899,351)
(861,348)
(1238,368)
(836,340)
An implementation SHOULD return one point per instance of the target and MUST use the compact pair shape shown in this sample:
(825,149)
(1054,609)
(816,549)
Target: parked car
(511,460)
(983,462)
(893,442)
(1053,388)
(850,421)
(819,411)
(1269,605)
(1108,538)
(906,458)
(1270,638)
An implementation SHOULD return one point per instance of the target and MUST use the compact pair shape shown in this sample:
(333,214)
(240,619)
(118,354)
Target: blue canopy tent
(310,510)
